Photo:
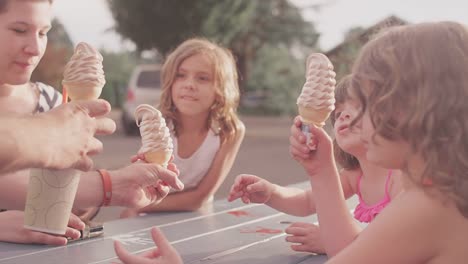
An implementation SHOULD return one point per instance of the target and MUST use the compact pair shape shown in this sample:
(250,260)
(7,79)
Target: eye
(204,78)
(43,33)
(180,75)
(19,30)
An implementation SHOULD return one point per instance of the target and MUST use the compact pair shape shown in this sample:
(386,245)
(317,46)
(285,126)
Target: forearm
(283,197)
(90,190)
(338,228)
(189,200)
(13,189)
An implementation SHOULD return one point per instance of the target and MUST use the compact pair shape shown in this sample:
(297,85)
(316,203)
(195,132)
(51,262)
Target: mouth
(188,98)
(24,65)
(343,128)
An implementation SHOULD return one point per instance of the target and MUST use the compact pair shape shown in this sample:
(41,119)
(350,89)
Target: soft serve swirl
(155,135)
(84,67)
(318,90)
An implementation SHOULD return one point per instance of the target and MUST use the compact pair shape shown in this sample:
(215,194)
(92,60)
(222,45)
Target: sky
(332,20)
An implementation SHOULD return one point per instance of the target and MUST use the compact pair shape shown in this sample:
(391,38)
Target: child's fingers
(319,134)
(134,158)
(161,241)
(298,154)
(300,146)
(260,186)
(126,256)
(235,195)
(245,199)
(298,121)
(297,134)
(302,224)
(297,231)
(300,248)
(296,239)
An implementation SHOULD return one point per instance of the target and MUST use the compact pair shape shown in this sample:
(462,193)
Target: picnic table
(224,233)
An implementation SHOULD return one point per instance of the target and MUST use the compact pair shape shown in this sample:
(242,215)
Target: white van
(144,87)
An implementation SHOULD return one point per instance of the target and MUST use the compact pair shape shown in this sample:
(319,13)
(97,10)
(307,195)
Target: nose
(189,83)
(345,115)
(33,46)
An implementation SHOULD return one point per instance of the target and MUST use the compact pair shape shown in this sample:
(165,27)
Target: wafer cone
(83,92)
(161,157)
(314,116)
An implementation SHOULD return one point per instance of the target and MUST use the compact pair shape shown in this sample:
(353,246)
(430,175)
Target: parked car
(144,87)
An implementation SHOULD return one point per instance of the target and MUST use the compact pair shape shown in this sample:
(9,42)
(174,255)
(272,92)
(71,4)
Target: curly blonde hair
(342,93)
(413,80)
(223,116)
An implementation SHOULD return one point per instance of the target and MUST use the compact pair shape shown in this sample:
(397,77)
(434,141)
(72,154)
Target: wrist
(273,194)
(106,187)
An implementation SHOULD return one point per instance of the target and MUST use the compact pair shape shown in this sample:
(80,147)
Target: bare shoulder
(240,130)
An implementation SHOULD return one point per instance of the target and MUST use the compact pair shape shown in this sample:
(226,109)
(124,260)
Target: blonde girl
(199,102)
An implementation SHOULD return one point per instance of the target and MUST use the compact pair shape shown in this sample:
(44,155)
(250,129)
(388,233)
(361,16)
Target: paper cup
(50,198)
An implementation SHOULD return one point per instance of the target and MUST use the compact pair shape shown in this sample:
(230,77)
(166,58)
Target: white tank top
(193,169)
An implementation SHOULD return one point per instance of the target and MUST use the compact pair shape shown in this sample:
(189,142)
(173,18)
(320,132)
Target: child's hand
(163,253)
(306,238)
(251,188)
(313,161)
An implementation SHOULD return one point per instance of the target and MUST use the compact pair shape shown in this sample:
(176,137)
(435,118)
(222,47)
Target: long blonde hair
(223,115)
(414,82)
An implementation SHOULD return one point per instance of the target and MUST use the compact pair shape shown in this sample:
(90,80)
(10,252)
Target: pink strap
(387,182)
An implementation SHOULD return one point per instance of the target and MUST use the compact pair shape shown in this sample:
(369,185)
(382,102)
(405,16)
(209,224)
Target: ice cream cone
(82,92)
(161,157)
(314,116)
(155,136)
(83,77)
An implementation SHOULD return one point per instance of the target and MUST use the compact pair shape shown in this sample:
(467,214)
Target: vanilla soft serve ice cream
(156,140)
(317,99)
(83,77)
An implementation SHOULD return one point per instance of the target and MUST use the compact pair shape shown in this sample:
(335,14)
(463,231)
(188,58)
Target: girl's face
(193,91)
(23,31)
(386,153)
(348,138)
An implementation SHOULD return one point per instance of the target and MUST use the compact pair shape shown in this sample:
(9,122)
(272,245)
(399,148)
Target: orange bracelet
(107,184)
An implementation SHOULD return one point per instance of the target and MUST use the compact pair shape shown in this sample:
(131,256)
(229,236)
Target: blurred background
(269,38)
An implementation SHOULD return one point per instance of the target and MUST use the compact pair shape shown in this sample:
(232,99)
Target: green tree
(118,67)
(253,30)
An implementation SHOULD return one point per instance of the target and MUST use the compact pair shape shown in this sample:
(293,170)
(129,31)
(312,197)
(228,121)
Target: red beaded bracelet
(107,184)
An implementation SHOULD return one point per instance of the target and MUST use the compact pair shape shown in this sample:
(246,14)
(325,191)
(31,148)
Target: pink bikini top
(366,213)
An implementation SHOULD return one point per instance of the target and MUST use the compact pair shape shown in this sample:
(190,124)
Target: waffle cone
(314,116)
(83,92)
(158,157)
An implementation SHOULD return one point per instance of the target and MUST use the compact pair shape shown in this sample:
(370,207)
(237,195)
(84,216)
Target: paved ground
(264,152)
